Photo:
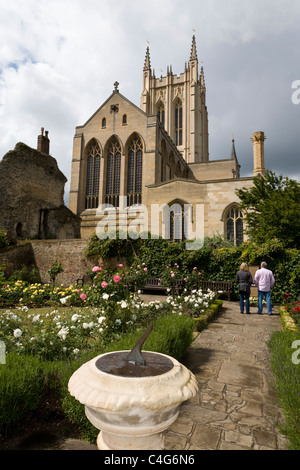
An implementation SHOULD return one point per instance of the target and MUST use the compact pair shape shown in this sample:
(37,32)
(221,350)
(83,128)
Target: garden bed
(52,330)
(36,390)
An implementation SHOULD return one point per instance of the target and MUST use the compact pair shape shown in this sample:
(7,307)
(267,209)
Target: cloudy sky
(59,60)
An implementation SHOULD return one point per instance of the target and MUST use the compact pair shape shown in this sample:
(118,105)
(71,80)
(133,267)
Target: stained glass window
(178,123)
(161,114)
(113,171)
(92,176)
(135,171)
(234,226)
(177,216)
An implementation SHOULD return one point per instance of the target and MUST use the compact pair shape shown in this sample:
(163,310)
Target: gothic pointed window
(92,176)
(134,171)
(177,217)
(163,161)
(234,225)
(113,171)
(178,123)
(161,114)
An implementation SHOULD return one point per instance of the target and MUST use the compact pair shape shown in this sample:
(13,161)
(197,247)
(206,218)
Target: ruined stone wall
(31,196)
(40,254)
(71,254)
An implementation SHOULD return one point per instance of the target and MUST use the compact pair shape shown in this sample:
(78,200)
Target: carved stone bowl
(132,406)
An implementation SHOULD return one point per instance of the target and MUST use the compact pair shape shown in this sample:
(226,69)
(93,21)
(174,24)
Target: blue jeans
(267,295)
(244,296)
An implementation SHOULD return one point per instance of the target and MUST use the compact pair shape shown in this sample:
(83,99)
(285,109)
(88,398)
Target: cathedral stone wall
(215,196)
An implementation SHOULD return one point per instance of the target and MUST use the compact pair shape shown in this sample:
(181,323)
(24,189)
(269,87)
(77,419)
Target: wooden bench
(224,287)
(154,284)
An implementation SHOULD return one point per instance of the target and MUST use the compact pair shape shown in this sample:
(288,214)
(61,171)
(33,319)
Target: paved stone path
(236,407)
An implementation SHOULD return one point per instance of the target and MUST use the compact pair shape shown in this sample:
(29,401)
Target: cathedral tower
(180,103)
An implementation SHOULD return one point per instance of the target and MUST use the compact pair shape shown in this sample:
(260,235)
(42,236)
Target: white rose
(17,333)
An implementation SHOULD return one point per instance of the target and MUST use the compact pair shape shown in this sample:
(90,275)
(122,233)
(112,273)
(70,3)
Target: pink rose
(82,296)
(96,269)
(117,278)
(145,269)
(104,284)
(172,275)
(121,265)
(78,290)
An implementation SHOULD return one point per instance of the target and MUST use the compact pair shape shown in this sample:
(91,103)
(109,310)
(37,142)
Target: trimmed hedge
(209,314)
(287,321)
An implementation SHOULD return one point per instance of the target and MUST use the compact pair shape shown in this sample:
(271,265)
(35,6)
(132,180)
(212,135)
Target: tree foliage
(272,209)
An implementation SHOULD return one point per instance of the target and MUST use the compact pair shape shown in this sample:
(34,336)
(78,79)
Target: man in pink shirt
(264,280)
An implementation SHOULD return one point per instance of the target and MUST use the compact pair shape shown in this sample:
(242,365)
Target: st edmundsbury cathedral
(134,169)
(128,160)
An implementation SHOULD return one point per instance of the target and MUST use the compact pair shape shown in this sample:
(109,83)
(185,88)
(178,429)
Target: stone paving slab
(235,408)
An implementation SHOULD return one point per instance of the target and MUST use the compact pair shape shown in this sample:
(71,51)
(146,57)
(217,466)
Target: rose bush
(293,307)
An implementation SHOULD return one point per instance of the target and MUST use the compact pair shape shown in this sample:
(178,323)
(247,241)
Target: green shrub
(2,275)
(171,335)
(286,383)
(25,274)
(21,382)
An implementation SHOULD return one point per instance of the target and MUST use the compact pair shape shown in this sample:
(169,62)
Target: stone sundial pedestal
(132,397)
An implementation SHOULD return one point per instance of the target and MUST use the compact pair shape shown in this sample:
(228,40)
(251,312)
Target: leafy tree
(272,209)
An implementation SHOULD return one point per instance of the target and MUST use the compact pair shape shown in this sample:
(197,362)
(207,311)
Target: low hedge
(287,321)
(201,322)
